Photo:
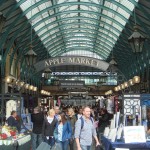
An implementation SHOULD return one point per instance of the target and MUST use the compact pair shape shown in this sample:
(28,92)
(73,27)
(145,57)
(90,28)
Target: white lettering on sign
(72,60)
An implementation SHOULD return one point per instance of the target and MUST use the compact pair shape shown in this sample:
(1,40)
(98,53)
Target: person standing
(37,119)
(103,121)
(56,109)
(12,121)
(49,124)
(84,130)
(62,132)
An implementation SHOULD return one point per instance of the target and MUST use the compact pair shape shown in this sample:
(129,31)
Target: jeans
(62,145)
(50,141)
(36,140)
(83,147)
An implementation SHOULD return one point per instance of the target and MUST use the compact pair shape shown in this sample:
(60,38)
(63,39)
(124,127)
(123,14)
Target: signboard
(134,134)
(72,60)
(71,83)
(131,103)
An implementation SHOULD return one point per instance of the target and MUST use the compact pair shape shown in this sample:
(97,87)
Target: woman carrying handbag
(62,132)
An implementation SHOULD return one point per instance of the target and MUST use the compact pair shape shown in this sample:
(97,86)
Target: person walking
(37,119)
(49,124)
(79,113)
(72,118)
(84,130)
(62,132)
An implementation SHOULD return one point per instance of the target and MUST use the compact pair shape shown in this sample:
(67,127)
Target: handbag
(71,141)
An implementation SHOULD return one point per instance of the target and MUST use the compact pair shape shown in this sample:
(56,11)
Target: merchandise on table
(9,136)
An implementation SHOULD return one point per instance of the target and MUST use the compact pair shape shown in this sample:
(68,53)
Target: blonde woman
(72,119)
(49,125)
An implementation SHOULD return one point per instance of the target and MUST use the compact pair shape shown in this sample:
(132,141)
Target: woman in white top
(49,124)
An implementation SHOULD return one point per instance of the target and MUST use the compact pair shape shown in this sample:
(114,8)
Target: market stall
(21,142)
(121,144)
(10,139)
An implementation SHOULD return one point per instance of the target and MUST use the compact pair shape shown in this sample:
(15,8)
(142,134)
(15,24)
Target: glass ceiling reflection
(70,25)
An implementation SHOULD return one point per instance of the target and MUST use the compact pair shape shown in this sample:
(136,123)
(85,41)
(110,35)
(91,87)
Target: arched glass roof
(74,25)
(82,53)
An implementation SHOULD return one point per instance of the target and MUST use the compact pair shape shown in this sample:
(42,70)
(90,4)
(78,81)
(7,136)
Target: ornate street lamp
(136,40)
(47,73)
(30,57)
(2,21)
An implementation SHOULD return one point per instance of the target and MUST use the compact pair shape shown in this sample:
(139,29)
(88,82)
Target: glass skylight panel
(47,29)
(121,11)
(25,5)
(43,37)
(120,20)
(43,31)
(82,53)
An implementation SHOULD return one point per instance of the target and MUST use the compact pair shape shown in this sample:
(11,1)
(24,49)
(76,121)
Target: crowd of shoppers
(69,127)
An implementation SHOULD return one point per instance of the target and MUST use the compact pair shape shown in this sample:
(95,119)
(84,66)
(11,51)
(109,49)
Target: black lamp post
(30,57)
(2,21)
(136,41)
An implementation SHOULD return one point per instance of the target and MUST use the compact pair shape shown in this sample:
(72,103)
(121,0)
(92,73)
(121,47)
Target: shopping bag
(55,147)
(43,146)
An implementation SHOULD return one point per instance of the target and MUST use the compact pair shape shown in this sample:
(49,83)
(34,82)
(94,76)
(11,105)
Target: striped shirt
(85,134)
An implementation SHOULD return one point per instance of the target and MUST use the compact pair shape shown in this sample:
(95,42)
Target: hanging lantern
(125,84)
(136,79)
(119,87)
(30,57)
(136,40)
(122,86)
(42,91)
(27,86)
(21,83)
(131,82)
(31,87)
(8,80)
(34,89)
(116,89)
(110,92)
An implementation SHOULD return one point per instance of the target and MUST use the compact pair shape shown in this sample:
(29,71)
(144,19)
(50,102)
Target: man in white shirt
(79,114)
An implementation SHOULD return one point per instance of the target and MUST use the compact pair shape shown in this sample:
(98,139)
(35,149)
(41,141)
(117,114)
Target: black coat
(48,128)
(13,122)
(37,120)
(103,122)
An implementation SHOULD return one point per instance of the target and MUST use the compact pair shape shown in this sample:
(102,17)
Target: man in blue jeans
(84,130)
(37,119)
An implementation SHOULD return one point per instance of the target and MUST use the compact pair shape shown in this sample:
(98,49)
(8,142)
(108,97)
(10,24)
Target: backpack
(82,122)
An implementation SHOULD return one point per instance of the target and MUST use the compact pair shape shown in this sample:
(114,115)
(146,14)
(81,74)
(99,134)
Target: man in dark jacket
(37,119)
(12,121)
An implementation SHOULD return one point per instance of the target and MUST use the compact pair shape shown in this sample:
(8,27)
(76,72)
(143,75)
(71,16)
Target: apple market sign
(71,60)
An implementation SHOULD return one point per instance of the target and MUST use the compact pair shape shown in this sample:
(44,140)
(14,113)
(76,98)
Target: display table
(132,146)
(22,143)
